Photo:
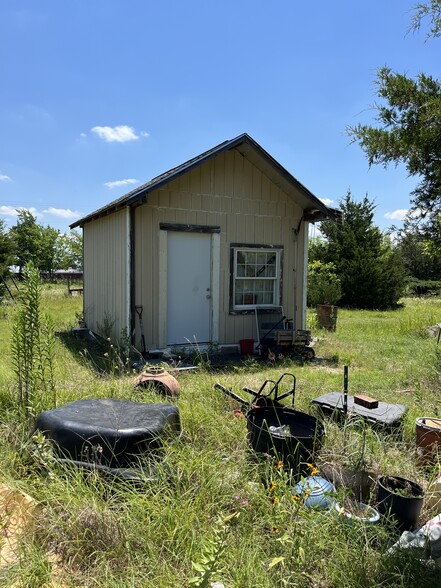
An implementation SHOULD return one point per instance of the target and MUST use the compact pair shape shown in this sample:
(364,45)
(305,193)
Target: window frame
(277,280)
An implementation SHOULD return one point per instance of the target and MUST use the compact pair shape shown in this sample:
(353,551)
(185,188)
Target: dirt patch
(17,518)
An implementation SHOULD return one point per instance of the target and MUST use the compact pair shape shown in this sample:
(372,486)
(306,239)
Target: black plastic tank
(108,432)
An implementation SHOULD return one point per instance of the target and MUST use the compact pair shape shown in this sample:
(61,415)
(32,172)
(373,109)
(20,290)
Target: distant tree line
(46,248)
(373,270)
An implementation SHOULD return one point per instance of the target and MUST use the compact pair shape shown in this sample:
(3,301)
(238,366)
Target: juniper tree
(369,270)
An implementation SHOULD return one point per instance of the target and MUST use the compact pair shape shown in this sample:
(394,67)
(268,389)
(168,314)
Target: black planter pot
(404,510)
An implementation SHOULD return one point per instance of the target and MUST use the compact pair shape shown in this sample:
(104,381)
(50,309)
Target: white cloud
(119,134)
(12,210)
(397,215)
(8,211)
(4,178)
(415,213)
(119,183)
(63,212)
(326,201)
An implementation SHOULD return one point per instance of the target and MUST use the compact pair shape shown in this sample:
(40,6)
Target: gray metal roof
(315,209)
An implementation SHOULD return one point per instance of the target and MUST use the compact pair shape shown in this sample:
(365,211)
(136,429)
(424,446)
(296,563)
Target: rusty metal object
(160,379)
(428,440)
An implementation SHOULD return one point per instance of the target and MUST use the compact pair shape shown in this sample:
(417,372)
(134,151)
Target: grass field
(214,513)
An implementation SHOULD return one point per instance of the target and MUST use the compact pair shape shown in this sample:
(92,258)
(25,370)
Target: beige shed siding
(227,191)
(106,270)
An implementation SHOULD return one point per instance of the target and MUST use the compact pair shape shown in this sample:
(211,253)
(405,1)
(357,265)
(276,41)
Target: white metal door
(188,287)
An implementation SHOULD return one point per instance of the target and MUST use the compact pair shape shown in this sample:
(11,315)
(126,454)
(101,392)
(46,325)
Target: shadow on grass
(91,351)
(104,358)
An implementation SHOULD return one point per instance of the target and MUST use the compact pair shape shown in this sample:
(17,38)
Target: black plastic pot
(286,433)
(404,510)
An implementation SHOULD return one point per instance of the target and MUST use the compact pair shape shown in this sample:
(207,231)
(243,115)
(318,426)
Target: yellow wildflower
(271,486)
(279,465)
(313,469)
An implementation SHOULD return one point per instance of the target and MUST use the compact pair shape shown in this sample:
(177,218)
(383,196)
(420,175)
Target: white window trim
(277,279)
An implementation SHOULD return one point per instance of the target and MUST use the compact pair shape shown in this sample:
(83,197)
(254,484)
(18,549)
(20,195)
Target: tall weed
(33,349)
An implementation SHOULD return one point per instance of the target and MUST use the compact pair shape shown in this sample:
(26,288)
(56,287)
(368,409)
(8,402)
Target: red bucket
(246,346)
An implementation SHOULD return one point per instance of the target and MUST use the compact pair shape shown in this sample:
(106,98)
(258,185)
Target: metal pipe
(345,391)
(231,393)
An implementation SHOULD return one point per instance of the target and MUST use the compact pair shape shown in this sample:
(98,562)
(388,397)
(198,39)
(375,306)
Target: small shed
(198,248)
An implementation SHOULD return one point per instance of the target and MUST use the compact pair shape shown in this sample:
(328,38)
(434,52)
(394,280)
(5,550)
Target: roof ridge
(140,191)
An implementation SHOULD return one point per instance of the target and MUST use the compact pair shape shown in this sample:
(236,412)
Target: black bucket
(404,510)
(285,433)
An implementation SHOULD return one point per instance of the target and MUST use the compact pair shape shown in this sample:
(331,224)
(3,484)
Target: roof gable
(314,208)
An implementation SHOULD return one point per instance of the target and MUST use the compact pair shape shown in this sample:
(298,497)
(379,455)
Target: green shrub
(368,266)
(324,285)
(415,287)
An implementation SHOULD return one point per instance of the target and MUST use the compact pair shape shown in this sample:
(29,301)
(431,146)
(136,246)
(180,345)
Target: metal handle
(231,393)
(290,392)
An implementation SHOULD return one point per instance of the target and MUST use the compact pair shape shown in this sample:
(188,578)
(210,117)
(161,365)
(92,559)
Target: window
(256,276)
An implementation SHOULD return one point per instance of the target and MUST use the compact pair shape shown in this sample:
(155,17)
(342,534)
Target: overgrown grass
(214,512)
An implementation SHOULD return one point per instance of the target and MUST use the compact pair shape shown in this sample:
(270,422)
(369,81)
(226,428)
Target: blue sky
(99,96)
